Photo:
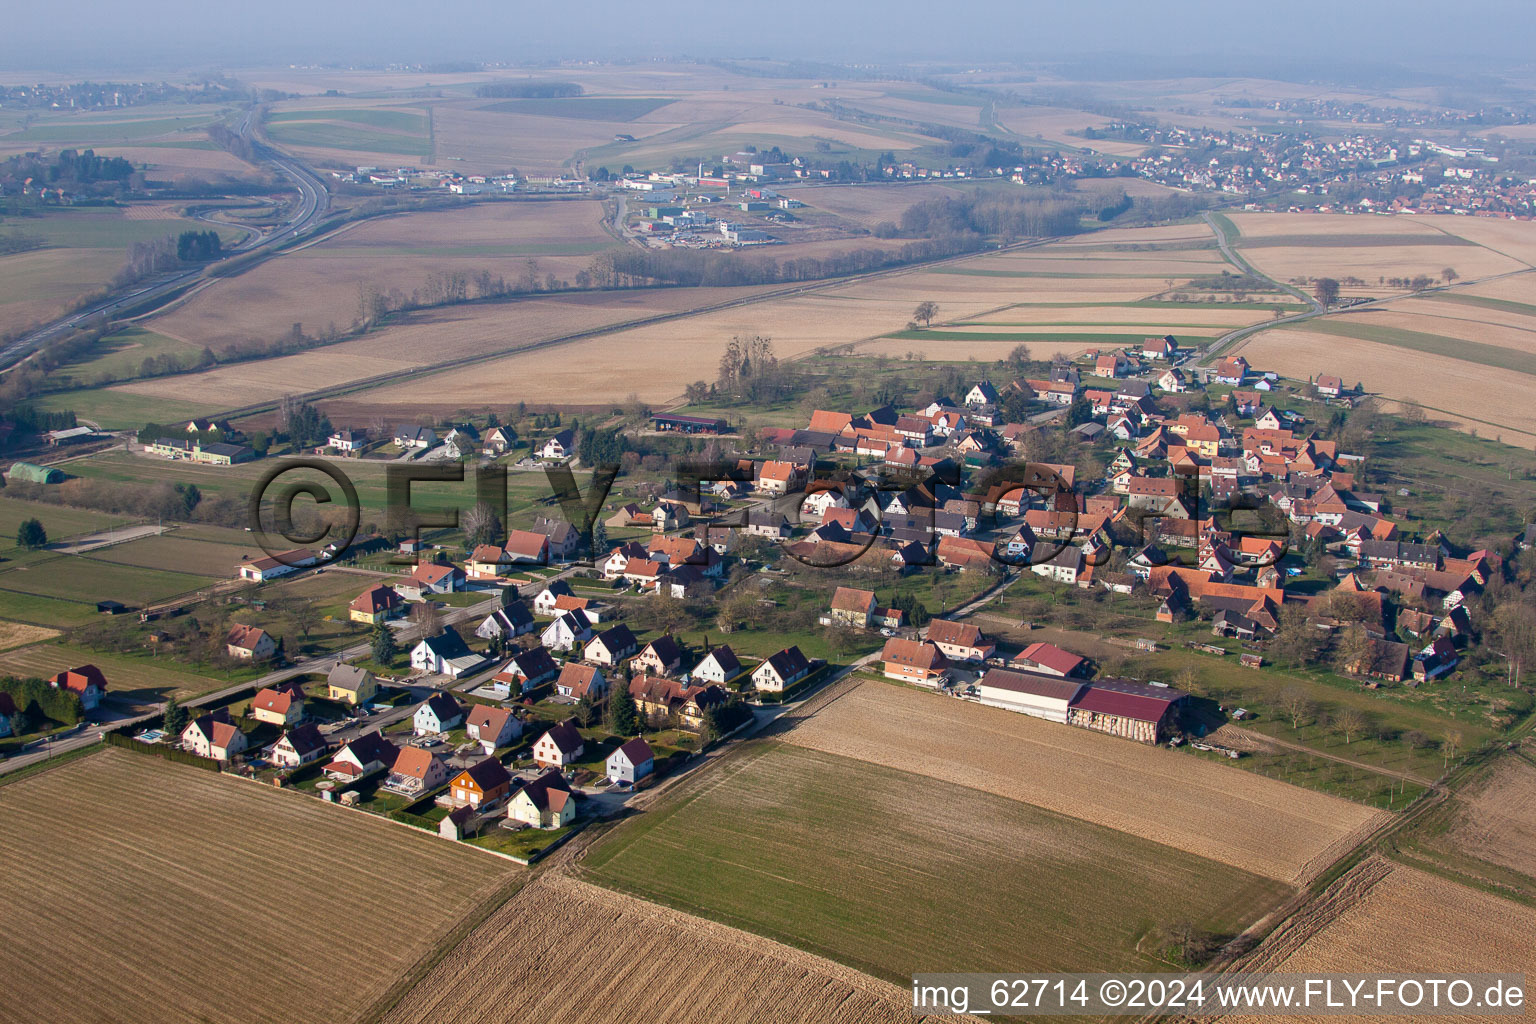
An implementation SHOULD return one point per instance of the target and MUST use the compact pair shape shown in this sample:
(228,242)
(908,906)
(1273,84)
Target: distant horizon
(1325,39)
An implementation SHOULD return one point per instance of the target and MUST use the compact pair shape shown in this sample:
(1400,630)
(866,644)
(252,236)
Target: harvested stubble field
(435,335)
(319,285)
(881,869)
(1316,247)
(565,952)
(166,891)
(1411,922)
(1498,822)
(1466,394)
(19,634)
(1253,823)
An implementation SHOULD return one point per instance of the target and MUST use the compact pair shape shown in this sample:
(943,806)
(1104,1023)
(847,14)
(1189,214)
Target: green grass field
(58,521)
(120,354)
(583,108)
(893,873)
(351,139)
(88,579)
(182,553)
(123,410)
(44,611)
(101,133)
(1504,305)
(142,674)
(104,227)
(407,122)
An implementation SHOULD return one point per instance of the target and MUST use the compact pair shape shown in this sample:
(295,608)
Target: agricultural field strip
(878,869)
(1411,922)
(146,840)
(572,953)
(1251,822)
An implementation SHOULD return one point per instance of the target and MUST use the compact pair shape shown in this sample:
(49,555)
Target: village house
(660,657)
(507,623)
(347,440)
(611,646)
(851,607)
(408,437)
(1166,347)
(1329,386)
(631,762)
(282,704)
(86,682)
(544,602)
(566,631)
(719,666)
(526,670)
(913,661)
(415,772)
(776,478)
(499,441)
(487,563)
(492,727)
(213,735)
(560,746)
(545,802)
(562,446)
(564,540)
(249,643)
(365,755)
(524,547)
(436,715)
(350,685)
(781,670)
(429,578)
(482,785)
(375,605)
(960,641)
(663,701)
(577,681)
(445,654)
(298,746)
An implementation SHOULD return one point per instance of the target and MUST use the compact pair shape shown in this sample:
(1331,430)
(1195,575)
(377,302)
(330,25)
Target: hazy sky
(103,35)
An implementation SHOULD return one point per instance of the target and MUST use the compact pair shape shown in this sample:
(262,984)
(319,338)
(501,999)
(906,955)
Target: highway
(314,200)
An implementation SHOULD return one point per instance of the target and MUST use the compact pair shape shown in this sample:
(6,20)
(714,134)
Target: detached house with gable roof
(545,802)
(631,762)
(560,746)
(781,670)
(85,682)
(213,735)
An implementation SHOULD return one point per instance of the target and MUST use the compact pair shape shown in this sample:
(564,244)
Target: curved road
(314,200)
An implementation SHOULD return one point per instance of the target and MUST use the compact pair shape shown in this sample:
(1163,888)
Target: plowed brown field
(565,952)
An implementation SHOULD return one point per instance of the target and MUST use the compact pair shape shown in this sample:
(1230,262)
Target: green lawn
(1504,305)
(523,843)
(60,522)
(106,227)
(893,873)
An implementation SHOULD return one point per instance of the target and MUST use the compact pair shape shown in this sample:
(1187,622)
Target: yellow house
(351,685)
(375,605)
(546,802)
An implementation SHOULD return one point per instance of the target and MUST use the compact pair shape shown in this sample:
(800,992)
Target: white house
(527,669)
(561,446)
(631,762)
(568,630)
(298,746)
(719,666)
(213,735)
(492,727)
(781,670)
(512,621)
(445,654)
(437,714)
(560,746)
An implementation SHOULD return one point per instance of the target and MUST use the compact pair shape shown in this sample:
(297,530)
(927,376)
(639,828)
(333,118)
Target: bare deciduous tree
(1350,722)
(1296,704)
